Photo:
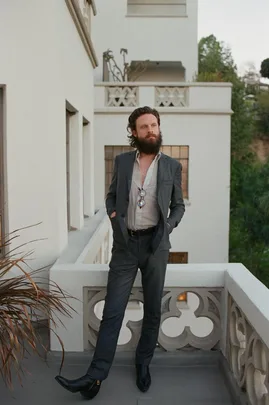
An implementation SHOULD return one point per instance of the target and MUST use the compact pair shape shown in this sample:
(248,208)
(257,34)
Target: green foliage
(215,57)
(251,79)
(253,202)
(242,123)
(249,219)
(249,227)
(209,77)
(262,109)
(216,65)
(265,68)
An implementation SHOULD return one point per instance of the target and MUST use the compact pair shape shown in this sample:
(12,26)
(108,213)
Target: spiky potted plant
(24,300)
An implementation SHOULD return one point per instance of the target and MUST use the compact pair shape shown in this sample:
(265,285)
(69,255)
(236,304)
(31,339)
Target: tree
(215,58)
(216,64)
(251,79)
(265,68)
(249,220)
(262,109)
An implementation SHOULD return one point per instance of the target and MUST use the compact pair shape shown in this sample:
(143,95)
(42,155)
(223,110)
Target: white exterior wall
(205,127)
(153,38)
(43,64)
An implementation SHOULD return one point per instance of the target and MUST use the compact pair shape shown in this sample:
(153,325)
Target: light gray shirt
(149,214)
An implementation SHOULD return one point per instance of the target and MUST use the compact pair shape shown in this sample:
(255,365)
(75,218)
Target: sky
(241,24)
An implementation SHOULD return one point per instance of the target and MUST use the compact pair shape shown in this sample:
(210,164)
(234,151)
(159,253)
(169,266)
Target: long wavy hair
(132,122)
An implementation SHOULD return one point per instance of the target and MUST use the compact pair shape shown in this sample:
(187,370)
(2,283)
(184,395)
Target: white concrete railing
(115,97)
(227,309)
(90,245)
(98,249)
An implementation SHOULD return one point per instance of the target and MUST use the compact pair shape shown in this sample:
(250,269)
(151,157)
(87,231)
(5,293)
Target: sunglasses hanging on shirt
(142,193)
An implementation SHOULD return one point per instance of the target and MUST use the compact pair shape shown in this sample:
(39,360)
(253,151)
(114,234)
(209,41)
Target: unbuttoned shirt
(147,216)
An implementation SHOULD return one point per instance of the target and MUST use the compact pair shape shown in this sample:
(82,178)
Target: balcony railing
(166,96)
(227,310)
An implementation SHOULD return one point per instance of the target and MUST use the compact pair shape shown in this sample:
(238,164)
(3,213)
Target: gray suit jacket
(169,196)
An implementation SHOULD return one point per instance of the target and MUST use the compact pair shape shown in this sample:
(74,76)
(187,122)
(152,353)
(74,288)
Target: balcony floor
(186,379)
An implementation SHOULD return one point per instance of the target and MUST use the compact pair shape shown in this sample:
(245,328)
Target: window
(178,257)
(156,8)
(110,153)
(180,153)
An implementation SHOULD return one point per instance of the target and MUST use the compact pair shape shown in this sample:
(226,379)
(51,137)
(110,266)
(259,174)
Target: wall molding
(164,110)
(78,19)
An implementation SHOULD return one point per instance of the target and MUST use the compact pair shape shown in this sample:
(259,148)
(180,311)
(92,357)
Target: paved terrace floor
(184,378)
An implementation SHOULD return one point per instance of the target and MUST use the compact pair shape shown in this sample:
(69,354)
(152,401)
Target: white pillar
(146,96)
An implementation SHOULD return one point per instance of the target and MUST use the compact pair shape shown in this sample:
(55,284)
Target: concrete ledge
(79,239)
(182,358)
(165,84)
(178,275)
(166,110)
(251,296)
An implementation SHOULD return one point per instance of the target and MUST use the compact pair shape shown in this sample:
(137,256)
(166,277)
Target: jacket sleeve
(177,206)
(111,195)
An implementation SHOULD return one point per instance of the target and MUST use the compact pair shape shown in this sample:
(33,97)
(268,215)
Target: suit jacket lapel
(129,169)
(161,171)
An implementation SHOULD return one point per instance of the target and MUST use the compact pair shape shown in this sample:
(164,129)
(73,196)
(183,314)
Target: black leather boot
(143,378)
(88,387)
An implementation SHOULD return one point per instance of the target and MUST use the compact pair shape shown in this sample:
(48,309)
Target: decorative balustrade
(212,98)
(170,96)
(122,96)
(198,326)
(226,310)
(248,356)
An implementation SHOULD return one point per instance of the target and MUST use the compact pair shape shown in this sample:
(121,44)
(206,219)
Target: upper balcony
(134,20)
(188,98)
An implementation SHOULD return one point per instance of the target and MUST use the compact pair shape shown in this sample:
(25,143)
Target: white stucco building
(164,32)
(61,124)
(46,121)
(195,117)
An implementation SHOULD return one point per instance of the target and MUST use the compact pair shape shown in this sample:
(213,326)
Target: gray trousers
(124,265)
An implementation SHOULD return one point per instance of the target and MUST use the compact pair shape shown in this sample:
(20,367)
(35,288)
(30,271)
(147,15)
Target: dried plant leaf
(22,300)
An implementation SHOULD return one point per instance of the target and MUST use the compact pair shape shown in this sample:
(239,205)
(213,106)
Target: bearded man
(144,204)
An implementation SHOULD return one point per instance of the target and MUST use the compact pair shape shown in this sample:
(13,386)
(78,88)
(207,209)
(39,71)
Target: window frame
(118,149)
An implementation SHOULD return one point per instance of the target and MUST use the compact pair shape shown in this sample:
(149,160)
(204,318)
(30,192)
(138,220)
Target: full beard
(149,146)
